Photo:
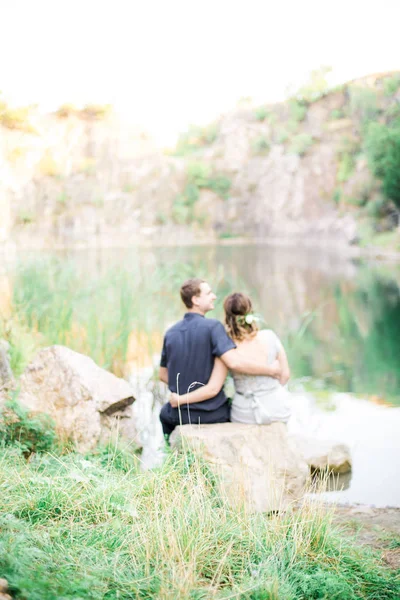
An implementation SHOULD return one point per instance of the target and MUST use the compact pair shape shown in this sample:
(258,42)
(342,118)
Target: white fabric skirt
(261,407)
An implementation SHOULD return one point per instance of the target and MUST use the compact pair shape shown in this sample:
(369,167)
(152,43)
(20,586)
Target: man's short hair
(190,288)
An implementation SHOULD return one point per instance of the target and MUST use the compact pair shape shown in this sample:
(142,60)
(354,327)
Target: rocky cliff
(281,173)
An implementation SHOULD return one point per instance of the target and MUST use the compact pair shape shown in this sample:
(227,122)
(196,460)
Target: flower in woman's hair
(248,319)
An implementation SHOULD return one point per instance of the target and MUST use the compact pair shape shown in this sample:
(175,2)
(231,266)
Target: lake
(339,320)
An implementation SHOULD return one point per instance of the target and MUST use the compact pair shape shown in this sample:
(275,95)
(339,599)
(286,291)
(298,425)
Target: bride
(258,398)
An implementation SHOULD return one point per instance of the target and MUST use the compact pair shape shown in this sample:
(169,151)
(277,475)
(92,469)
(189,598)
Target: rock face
(86,182)
(323,455)
(87,403)
(6,376)
(256,464)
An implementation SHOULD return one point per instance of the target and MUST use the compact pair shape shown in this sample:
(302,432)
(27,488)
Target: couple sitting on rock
(197,353)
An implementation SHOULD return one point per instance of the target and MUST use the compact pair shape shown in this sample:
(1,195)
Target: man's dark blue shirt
(189,350)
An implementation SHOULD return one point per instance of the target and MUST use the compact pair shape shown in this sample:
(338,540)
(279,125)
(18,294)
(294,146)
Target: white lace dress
(258,398)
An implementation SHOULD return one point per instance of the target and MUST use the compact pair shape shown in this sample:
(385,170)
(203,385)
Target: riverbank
(375,528)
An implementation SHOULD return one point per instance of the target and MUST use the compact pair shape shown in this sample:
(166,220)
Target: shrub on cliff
(383,152)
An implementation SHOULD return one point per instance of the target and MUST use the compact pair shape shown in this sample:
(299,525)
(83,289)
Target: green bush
(282,135)
(316,86)
(300,144)
(220,185)
(297,110)
(391,85)
(337,195)
(363,103)
(382,145)
(181,211)
(347,164)
(200,175)
(261,145)
(377,208)
(336,114)
(195,138)
(262,113)
(30,432)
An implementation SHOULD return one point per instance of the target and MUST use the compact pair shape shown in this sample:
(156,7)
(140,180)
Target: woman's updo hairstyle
(237,306)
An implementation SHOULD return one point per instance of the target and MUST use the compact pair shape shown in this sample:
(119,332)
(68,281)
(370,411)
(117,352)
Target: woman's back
(258,398)
(267,345)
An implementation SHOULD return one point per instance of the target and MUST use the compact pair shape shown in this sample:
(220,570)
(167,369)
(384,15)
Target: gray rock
(256,464)
(323,455)
(87,403)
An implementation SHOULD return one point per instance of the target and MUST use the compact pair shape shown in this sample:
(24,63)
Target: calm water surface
(339,320)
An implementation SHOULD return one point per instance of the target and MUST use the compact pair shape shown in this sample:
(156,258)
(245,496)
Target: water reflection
(340,319)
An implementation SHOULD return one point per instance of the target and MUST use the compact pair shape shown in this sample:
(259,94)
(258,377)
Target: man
(187,359)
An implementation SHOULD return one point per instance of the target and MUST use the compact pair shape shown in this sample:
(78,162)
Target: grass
(53,304)
(96,527)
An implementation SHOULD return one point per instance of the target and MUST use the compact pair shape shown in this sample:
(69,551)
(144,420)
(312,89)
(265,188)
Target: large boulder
(256,464)
(323,455)
(87,403)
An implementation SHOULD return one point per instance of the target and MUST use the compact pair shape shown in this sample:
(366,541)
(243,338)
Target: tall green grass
(348,338)
(56,302)
(96,527)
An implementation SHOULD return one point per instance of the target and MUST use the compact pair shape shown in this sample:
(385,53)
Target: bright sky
(167,63)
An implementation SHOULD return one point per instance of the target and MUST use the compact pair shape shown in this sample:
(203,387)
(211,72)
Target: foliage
(337,195)
(91,112)
(300,144)
(391,84)
(282,135)
(337,113)
(377,208)
(297,110)
(316,86)
(48,165)
(67,110)
(196,138)
(29,432)
(16,118)
(95,112)
(261,145)
(97,528)
(24,217)
(363,103)
(198,176)
(262,113)
(347,164)
(383,151)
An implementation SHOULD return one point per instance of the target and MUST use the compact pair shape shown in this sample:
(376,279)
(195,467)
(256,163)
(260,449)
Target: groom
(188,354)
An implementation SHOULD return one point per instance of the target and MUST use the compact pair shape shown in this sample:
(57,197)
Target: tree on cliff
(383,152)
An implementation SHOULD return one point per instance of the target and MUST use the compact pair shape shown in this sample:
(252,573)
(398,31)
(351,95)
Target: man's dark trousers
(172,417)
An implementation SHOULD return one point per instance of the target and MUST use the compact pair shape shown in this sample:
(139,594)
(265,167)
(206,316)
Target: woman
(258,399)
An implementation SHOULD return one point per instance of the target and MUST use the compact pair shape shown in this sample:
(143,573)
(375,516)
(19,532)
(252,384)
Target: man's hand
(275,369)
(174,400)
